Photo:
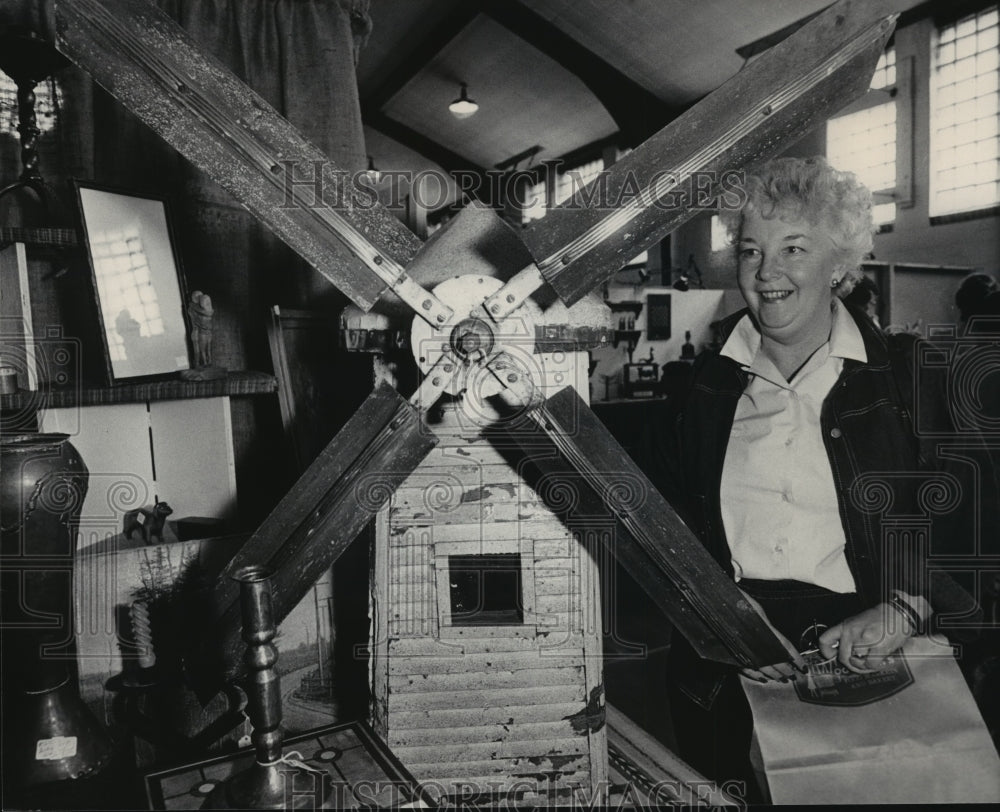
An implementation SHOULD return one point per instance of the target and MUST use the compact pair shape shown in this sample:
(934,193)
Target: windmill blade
(378,448)
(657,548)
(478,242)
(147,62)
(761,110)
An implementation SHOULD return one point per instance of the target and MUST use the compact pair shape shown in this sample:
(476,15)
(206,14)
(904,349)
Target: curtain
(299,55)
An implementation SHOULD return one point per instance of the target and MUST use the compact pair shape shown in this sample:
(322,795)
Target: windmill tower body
(486,622)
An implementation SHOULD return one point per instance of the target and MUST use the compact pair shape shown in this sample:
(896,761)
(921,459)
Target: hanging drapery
(299,55)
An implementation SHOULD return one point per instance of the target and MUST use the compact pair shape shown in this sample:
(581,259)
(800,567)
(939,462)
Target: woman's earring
(834,282)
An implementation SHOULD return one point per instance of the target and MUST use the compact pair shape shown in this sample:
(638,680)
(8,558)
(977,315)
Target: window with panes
(863,141)
(965,115)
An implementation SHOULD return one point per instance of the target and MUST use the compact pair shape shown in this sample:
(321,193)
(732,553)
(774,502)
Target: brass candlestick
(272,782)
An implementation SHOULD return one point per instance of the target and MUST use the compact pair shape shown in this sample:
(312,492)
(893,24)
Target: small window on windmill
(485,590)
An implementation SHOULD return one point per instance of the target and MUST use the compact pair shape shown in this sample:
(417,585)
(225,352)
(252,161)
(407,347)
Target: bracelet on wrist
(909,613)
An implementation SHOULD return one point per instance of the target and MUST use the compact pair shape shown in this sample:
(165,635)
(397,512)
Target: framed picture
(137,282)
(657,316)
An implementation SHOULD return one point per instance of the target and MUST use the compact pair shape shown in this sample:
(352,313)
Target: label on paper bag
(830,683)
(55,748)
(926,743)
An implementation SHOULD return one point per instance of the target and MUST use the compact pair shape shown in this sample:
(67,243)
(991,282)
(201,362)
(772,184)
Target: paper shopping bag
(909,733)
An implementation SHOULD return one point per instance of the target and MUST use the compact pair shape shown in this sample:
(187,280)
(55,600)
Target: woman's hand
(779,671)
(863,643)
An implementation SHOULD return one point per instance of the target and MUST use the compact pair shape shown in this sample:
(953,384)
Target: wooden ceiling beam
(419,56)
(758,46)
(451,162)
(637,112)
(408,66)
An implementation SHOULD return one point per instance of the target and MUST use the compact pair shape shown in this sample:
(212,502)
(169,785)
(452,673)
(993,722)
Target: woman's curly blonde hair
(810,189)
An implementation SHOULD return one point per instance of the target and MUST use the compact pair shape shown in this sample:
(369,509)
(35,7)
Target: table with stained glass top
(362,772)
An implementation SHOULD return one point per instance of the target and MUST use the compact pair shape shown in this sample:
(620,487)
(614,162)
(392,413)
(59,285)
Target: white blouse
(779,503)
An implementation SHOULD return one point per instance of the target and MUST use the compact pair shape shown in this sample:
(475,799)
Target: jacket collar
(876,348)
(846,342)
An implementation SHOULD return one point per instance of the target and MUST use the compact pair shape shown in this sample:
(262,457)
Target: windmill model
(494,486)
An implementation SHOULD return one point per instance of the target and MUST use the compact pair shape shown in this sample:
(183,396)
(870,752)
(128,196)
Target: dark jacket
(899,500)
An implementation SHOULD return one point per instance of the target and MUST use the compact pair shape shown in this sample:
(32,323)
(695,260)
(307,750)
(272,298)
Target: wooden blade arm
(378,448)
(154,68)
(655,546)
(682,169)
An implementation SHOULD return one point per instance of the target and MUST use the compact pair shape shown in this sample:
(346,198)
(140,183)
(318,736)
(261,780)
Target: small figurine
(687,348)
(151,525)
(200,311)
(200,314)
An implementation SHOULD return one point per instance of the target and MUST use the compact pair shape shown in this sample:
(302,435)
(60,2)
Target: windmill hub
(476,338)
(472,336)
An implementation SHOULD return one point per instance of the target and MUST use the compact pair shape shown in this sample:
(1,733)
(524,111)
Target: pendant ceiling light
(463,106)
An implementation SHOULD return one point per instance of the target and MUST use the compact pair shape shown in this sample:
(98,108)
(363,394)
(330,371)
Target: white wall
(692,310)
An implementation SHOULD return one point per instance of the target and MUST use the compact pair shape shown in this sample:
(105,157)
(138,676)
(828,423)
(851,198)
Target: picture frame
(137,282)
(658,316)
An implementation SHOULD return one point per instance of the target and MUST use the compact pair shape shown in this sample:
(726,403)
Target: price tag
(55,748)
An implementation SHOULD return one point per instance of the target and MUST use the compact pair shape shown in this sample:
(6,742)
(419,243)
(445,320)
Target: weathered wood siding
(505,708)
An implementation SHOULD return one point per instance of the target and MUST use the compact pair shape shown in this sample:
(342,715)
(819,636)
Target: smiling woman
(804,230)
(805,399)
(787,273)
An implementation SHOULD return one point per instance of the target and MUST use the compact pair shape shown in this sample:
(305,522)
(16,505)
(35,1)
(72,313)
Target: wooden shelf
(602,405)
(235,384)
(631,337)
(631,306)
